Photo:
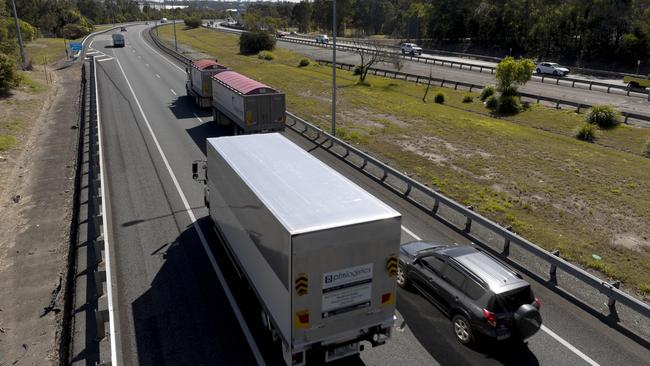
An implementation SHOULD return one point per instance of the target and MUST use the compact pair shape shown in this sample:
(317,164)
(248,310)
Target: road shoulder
(35,213)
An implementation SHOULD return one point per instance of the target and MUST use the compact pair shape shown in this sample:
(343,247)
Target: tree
(9,78)
(371,53)
(192,22)
(511,74)
(256,41)
(301,16)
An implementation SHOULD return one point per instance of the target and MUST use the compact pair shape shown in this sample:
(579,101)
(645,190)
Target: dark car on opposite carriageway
(481,294)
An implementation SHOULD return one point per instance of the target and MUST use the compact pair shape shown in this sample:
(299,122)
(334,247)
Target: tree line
(574,31)
(75,18)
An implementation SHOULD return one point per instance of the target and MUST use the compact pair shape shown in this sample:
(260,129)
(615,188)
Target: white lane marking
(197,117)
(204,242)
(92,53)
(158,53)
(158,76)
(410,233)
(105,59)
(147,65)
(139,56)
(91,43)
(173,92)
(109,285)
(568,345)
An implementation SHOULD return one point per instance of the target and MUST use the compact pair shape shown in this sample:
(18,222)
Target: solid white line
(107,252)
(158,76)
(92,53)
(410,233)
(173,92)
(568,345)
(105,59)
(197,117)
(158,53)
(204,242)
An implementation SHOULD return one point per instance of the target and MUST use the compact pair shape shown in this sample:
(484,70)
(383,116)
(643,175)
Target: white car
(411,49)
(322,38)
(551,68)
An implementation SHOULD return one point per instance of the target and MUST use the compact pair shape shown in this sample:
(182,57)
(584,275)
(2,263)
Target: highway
(176,298)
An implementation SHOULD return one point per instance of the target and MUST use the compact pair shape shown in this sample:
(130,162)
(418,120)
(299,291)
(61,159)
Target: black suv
(477,291)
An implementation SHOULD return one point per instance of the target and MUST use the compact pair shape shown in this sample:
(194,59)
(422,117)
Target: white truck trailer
(199,80)
(246,104)
(319,252)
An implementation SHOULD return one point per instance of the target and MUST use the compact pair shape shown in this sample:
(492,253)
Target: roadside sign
(76,46)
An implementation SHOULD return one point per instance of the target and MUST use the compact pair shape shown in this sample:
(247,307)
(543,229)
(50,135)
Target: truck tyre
(462,330)
(528,321)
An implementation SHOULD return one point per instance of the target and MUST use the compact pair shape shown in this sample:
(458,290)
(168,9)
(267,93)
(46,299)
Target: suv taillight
(490,317)
(538,303)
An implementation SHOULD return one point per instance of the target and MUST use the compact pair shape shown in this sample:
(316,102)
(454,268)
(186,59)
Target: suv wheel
(462,330)
(401,277)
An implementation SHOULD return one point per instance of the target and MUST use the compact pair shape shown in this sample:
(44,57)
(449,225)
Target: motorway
(635,103)
(176,298)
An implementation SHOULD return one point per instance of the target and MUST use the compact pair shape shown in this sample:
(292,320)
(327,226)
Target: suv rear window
(511,301)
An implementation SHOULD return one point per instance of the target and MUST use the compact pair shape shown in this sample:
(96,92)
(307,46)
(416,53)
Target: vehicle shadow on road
(184,318)
(184,107)
(206,130)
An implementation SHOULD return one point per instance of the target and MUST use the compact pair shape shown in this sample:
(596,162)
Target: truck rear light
(301,319)
(387,298)
(297,358)
(538,303)
(490,317)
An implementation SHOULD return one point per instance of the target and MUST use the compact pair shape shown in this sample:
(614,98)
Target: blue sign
(76,46)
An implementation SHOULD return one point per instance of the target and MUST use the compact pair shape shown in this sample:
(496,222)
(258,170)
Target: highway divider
(88,336)
(574,283)
(557,102)
(557,80)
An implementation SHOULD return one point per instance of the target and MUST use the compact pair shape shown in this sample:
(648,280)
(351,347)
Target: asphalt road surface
(178,304)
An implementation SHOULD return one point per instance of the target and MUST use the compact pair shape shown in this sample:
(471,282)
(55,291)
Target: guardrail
(444,209)
(557,80)
(558,102)
(462,219)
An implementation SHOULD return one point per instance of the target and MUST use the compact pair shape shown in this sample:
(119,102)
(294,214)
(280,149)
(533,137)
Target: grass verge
(526,170)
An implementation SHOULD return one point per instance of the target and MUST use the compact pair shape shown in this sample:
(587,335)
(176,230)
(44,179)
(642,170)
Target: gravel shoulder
(36,191)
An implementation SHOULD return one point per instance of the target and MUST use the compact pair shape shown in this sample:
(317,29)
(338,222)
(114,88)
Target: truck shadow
(184,107)
(205,130)
(184,318)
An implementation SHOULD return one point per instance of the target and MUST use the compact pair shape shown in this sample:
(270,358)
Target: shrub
(604,116)
(9,78)
(487,92)
(491,102)
(586,132)
(468,98)
(508,104)
(192,22)
(256,41)
(303,62)
(266,55)
(75,31)
(646,149)
(439,98)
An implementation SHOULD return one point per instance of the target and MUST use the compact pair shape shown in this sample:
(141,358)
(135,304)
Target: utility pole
(174,20)
(20,37)
(334,67)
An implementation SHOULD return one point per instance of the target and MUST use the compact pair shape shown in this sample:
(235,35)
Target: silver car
(552,69)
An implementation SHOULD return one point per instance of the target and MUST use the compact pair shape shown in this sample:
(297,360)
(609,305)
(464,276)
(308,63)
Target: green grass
(40,49)
(525,170)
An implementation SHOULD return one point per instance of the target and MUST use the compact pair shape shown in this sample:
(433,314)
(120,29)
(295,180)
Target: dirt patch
(36,188)
(631,241)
